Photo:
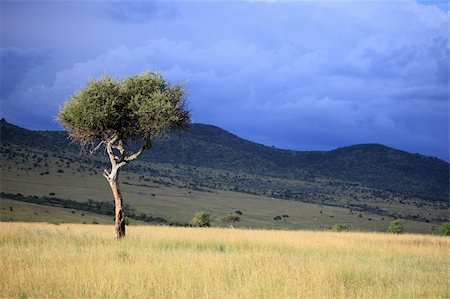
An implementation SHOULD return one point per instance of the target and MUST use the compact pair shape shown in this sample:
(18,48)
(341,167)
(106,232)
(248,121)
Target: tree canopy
(230,220)
(395,227)
(137,107)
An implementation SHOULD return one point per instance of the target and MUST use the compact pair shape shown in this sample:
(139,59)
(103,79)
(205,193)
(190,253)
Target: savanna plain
(41,260)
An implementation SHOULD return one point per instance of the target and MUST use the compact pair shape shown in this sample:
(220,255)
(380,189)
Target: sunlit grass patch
(85,261)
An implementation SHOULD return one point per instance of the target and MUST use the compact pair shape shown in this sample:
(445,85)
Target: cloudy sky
(301,75)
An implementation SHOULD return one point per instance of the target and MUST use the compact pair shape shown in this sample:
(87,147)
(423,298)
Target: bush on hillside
(445,229)
(201,219)
(395,227)
(339,228)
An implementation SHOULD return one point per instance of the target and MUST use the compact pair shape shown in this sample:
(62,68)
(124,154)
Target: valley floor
(179,204)
(85,261)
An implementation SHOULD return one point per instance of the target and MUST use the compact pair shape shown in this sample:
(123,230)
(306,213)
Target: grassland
(12,210)
(85,261)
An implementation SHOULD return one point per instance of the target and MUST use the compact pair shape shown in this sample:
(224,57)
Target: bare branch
(120,147)
(106,174)
(97,147)
(121,164)
(134,156)
(109,148)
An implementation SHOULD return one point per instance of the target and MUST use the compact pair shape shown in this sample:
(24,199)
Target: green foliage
(339,228)
(137,107)
(230,220)
(445,229)
(201,219)
(395,227)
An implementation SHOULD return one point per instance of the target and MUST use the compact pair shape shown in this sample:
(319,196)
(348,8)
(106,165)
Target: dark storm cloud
(299,75)
(15,64)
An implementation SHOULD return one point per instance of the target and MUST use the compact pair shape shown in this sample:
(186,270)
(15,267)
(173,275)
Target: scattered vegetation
(395,227)
(208,158)
(147,183)
(339,228)
(230,220)
(445,229)
(201,219)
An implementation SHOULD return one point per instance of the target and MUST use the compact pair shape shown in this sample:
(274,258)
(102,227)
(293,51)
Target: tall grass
(85,261)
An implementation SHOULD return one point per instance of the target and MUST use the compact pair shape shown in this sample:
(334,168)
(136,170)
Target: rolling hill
(369,165)
(363,186)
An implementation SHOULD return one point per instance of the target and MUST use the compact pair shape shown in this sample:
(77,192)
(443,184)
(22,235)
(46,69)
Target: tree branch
(106,174)
(120,147)
(109,149)
(121,164)
(97,147)
(134,156)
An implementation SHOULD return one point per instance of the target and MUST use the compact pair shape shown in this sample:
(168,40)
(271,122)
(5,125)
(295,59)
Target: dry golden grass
(85,261)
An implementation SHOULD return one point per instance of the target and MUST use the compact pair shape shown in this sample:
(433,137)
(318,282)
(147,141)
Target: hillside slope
(371,165)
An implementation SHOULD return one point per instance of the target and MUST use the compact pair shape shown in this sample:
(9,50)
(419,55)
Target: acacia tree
(230,220)
(116,114)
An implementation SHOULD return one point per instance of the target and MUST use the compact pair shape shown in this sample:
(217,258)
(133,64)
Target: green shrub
(395,227)
(339,228)
(201,219)
(445,229)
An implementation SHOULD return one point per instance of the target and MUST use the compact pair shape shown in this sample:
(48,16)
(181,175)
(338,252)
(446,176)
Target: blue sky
(302,75)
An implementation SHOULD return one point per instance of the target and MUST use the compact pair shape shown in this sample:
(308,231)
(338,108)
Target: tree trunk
(120,212)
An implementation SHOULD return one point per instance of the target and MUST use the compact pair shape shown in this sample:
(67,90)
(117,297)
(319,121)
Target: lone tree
(124,116)
(395,227)
(339,228)
(230,220)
